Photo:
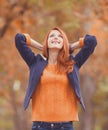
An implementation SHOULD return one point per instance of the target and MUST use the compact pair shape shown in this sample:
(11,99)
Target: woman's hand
(36,44)
(31,42)
(76,45)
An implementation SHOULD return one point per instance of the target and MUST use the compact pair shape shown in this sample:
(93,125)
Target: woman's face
(55,40)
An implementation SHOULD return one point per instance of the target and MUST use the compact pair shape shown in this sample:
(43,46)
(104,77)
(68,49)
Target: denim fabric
(38,125)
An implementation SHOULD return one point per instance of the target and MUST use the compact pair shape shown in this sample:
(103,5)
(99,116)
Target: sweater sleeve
(24,50)
(88,48)
(28,41)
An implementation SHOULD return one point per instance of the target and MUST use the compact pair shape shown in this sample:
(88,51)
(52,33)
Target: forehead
(55,32)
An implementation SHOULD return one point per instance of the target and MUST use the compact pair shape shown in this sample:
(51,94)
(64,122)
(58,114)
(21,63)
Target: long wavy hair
(64,64)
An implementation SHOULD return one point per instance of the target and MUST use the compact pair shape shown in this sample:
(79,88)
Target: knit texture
(54,98)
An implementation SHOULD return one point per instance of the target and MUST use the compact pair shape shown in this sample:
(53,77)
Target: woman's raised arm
(33,43)
(76,45)
(89,43)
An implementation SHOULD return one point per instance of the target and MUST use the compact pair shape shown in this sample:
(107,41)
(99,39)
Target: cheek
(62,42)
(49,40)
(48,43)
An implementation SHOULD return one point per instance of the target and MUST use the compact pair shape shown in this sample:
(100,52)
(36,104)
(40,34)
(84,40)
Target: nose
(55,37)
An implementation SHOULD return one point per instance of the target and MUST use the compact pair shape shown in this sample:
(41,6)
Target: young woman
(54,80)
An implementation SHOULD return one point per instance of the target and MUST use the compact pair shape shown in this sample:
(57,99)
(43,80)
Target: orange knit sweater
(54,98)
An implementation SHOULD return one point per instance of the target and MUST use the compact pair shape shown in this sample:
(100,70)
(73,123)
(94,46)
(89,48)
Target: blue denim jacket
(37,64)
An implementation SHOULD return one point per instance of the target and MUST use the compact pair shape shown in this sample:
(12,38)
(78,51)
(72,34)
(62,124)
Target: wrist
(28,39)
(81,42)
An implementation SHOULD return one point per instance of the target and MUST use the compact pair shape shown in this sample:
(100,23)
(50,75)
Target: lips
(55,42)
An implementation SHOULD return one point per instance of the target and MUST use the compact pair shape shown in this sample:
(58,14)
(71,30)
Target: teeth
(55,42)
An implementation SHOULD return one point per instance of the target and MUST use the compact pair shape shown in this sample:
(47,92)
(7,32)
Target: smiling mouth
(56,42)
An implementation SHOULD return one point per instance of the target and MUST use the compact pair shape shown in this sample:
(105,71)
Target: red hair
(64,64)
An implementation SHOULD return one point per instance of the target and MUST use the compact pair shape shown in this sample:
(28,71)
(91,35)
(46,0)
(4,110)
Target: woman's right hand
(31,42)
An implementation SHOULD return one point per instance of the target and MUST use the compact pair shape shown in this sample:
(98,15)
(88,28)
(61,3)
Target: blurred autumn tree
(36,17)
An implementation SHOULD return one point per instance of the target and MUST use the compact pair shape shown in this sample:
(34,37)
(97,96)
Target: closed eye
(52,35)
(60,35)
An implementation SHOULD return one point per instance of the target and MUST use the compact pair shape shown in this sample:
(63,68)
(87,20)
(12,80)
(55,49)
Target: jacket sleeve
(89,45)
(24,50)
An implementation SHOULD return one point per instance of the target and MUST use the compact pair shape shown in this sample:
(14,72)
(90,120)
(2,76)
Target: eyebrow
(51,34)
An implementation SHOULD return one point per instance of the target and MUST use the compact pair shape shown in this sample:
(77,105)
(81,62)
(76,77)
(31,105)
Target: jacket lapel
(36,74)
(74,80)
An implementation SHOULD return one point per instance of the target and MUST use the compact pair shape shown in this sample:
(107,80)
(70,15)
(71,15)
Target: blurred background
(36,17)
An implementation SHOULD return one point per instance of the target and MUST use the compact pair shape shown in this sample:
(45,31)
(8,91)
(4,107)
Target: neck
(53,56)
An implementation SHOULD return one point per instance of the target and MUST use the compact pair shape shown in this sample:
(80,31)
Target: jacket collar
(43,57)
